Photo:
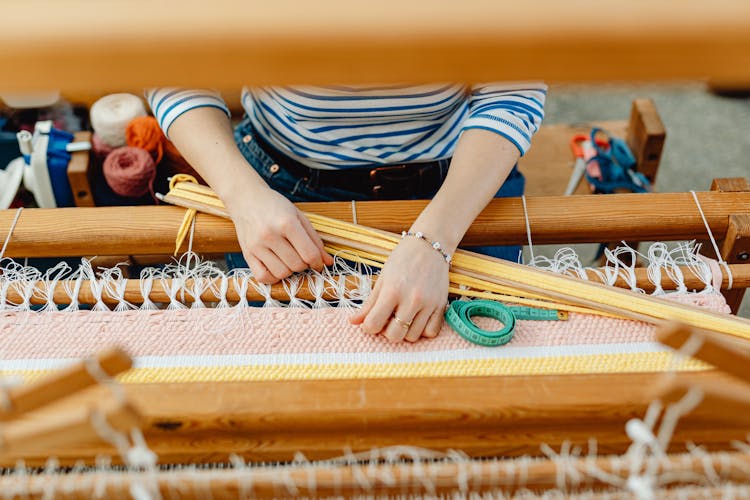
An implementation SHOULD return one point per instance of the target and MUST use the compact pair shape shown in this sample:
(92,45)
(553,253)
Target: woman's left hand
(410,295)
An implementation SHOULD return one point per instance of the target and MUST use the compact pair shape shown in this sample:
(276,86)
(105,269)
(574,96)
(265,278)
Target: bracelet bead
(434,244)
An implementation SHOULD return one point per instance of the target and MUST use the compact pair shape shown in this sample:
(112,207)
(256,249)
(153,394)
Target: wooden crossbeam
(256,42)
(557,219)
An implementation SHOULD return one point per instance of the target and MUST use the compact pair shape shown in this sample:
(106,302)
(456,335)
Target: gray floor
(707,136)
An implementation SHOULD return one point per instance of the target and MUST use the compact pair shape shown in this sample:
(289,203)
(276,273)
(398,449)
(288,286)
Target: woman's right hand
(276,238)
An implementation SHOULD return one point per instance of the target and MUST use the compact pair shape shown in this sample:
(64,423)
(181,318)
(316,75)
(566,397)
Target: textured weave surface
(295,343)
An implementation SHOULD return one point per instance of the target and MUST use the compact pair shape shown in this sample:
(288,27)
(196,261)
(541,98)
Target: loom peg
(69,427)
(728,401)
(720,402)
(63,383)
(729,354)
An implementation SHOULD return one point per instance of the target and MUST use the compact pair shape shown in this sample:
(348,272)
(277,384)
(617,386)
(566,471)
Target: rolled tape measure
(459,314)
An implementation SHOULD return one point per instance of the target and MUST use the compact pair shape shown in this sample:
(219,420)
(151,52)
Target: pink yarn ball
(130,171)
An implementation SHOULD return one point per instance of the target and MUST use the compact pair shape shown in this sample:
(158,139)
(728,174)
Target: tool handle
(576,144)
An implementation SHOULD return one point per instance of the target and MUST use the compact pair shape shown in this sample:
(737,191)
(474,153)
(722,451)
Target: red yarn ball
(130,172)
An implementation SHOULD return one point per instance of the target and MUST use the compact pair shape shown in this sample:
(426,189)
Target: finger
(434,324)
(260,272)
(395,331)
(305,247)
(417,326)
(358,317)
(315,237)
(288,255)
(382,310)
(278,269)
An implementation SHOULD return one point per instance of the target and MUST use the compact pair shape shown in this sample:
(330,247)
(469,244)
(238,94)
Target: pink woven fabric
(274,330)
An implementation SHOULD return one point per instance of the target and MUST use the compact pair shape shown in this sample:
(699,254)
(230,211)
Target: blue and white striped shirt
(334,127)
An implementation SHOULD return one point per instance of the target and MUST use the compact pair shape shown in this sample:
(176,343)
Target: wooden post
(78,174)
(645,136)
(736,245)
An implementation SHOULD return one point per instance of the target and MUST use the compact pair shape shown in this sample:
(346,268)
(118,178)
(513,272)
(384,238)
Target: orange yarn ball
(144,132)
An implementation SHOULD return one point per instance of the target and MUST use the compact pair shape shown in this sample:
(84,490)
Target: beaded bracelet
(434,244)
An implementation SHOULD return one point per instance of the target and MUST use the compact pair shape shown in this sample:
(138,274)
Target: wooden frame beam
(258,43)
(481,416)
(556,219)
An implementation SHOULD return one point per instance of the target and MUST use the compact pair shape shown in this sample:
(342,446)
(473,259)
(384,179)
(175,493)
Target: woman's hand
(412,287)
(276,238)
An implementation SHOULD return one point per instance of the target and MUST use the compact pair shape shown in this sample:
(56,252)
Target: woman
(362,142)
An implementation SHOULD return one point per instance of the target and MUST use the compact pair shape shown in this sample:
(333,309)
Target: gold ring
(401,322)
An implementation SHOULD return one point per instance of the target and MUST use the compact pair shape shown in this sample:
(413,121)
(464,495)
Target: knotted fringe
(206,285)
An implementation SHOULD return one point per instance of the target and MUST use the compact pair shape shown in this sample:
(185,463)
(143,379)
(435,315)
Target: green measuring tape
(460,312)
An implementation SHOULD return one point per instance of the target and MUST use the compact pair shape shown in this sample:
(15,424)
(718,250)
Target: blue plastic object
(58,159)
(617,165)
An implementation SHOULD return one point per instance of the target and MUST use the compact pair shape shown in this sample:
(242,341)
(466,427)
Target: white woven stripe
(506,352)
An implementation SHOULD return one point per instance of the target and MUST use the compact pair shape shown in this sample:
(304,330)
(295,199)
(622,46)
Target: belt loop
(314,182)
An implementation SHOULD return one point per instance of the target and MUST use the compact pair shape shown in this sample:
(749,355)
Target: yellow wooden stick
(376,245)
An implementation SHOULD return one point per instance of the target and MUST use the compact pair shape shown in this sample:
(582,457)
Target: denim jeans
(299,189)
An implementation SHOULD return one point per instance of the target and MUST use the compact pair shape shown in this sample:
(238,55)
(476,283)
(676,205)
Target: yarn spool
(130,172)
(111,114)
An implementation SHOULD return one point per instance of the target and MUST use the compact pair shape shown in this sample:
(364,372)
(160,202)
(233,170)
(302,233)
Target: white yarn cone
(111,114)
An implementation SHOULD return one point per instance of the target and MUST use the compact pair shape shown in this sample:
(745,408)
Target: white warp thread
(10,232)
(713,241)
(188,278)
(528,227)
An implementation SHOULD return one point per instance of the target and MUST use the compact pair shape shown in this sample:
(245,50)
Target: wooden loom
(205,422)
(641,40)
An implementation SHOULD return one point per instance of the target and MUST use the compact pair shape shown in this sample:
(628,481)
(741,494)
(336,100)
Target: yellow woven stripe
(565,365)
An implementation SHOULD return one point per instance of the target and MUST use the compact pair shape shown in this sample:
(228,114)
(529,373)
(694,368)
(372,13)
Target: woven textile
(270,343)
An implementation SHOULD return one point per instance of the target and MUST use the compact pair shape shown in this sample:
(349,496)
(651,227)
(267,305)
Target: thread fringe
(189,277)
